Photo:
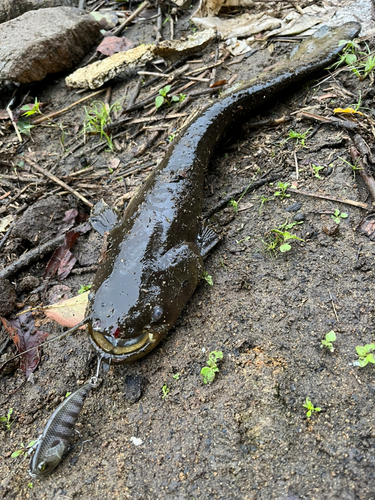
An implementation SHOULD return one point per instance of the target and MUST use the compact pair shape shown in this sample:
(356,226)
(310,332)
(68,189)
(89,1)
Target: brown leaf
(68,312)
(113,44)
(25,336)
(218,83)
(61,261)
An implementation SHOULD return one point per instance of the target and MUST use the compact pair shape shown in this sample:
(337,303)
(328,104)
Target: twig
(9,111)
(159,24)
(333,305)
(57,113)
(142,7)
(148,143)
(368,179)
(171,24)
(296,163)
(332,121)
(332,198)
(60,182)
(135,94)
(27,258)
(6,236)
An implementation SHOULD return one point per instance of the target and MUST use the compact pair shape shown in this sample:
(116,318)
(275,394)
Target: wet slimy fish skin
(54,441)
(153,262)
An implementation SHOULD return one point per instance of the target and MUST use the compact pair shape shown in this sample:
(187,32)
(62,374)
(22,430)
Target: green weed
(208,372)
(310,408)
(365,354)
(171,137)
(23,450)
(98,116)
(234,204)
(84,288)
(317,169)
(297,136)
(353,167)
(263,200)
(163,97)
(165,391)
(176,376)
(6,420)
(327,342)
(279,237)
(208,278)
(30,110)
(281,193)
(337,216)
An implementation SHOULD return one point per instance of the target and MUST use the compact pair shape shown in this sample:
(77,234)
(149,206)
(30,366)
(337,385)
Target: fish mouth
(119,347)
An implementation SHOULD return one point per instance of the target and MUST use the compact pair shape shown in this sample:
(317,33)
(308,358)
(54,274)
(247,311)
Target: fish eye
(157,313)
(42,466)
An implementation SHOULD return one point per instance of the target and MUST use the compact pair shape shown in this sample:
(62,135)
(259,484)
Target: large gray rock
(45,41)
(9,9)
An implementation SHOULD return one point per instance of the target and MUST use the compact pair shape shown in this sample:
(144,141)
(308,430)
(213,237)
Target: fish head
(45,460)
(131,312)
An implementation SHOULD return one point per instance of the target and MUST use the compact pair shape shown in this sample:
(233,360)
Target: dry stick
(368,179)
(57,113)
(171,24)
(9,111)
(142,7)
(333,305)
(28,258)
(135,94)
(332,121)
(296,163)
(61,183)
(159,25)
(332,198)
(148,143)
(107,99)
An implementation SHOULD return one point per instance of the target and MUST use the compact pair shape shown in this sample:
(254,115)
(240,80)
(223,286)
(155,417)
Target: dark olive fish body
(154,258)
(54,441)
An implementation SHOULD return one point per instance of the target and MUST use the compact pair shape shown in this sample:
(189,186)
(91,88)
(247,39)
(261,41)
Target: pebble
(294,207)
(300,217)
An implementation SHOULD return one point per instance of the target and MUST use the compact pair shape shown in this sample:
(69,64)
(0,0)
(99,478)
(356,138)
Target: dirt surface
(245,436)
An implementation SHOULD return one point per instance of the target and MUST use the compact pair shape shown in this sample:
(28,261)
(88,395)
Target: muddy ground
(245,436)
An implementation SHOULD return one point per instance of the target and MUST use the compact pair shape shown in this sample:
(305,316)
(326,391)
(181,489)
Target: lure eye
(157,313)
(42,466)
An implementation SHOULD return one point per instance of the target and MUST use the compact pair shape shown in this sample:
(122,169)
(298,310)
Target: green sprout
(171,137)
(298,137)
(208,278)
(353,167)
(6,420)
(30,110)
(264,200)
(310,408)
(281,193)
(97,118)
(67,394)
(84,288)
(163,98)
(208,372)
(176,376)
(165,391)
(327,342)
(362,66)
(30,485)
(278,239)
(365,355)
(317,169)
(337,216)
(23,450)
(234,204)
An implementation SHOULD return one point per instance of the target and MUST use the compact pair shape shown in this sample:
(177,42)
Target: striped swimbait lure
(52,444)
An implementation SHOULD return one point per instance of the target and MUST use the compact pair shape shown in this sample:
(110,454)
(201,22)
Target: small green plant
(337,216)
(208,278)
(234,204)
(165,391)
(365,354)
(67,394)
(281,193)
(84,288)
(6,420)
(243,239)
(347,55)
(163,97)
(327,342)
(317,169)
(208,372)
(297,136)
(279,237)
(23,450)
(353,167)
(171,137)
(30,110)
(310,408)
(361,66)
(30,485)
(263,200)
(176,376)
(24,127)
(97,118)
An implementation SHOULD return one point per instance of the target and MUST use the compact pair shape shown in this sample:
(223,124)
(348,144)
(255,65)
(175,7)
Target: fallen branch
(348,125)
(332,198)
(368,179)
(142,7)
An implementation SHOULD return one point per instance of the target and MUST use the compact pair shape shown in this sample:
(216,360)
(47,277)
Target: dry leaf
(68,312)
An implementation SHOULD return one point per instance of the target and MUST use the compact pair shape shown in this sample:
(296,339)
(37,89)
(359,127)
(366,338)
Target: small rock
(294,207)
(332,229)
(45,41)
(300,217)
(10,9)
(28,283)
(8,297)
(133,388)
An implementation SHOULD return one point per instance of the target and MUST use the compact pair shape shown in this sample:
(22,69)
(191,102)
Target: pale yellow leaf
(5,222)
(68,312)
